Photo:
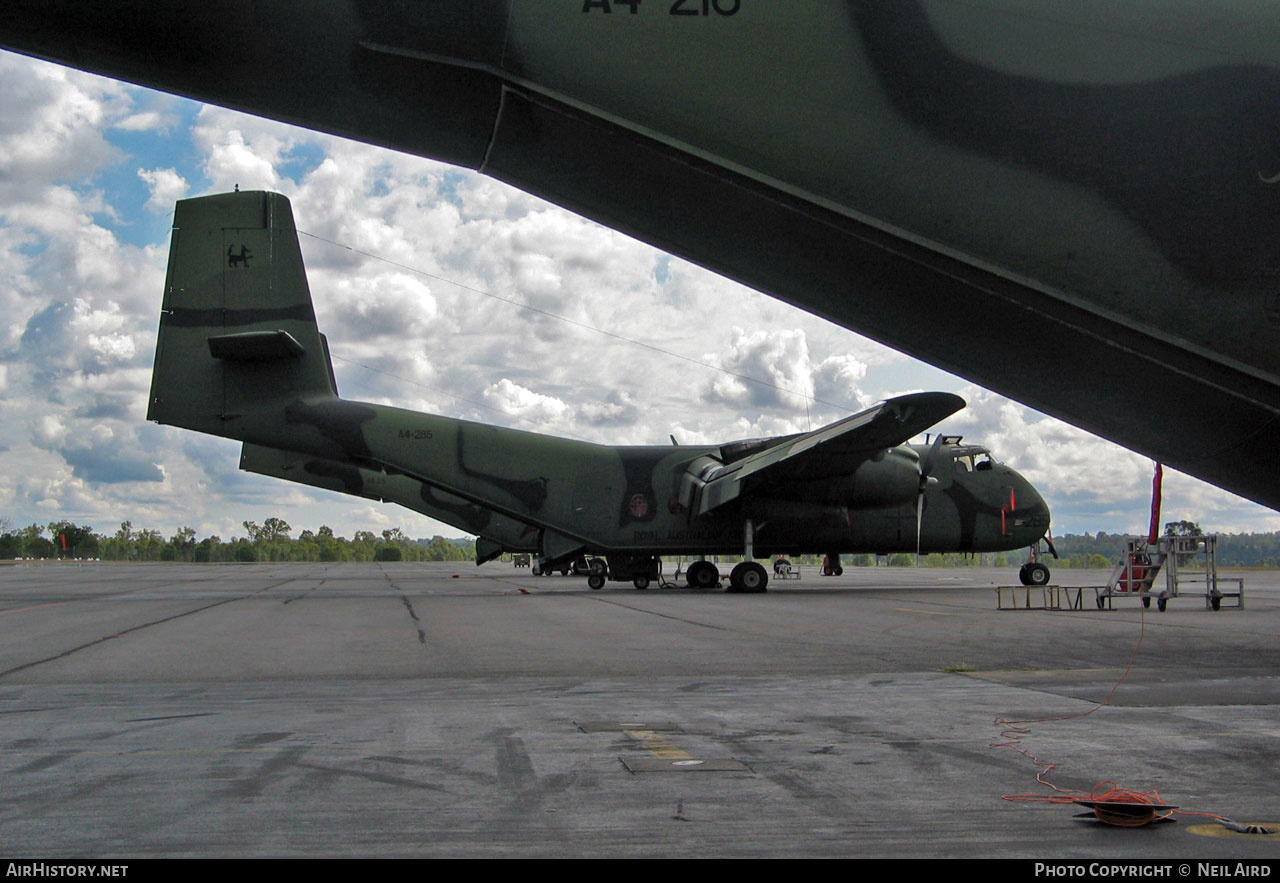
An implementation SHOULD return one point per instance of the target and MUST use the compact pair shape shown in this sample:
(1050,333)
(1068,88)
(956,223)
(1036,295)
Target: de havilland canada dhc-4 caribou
(239,355)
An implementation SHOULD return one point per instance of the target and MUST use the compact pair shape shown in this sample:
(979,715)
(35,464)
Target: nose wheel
(1034,574)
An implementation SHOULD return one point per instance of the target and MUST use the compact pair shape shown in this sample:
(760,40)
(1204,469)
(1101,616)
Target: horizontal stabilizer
(255,346)
(833,450)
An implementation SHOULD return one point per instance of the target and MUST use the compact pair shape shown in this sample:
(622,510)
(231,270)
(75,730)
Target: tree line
(273,541)
(270,541)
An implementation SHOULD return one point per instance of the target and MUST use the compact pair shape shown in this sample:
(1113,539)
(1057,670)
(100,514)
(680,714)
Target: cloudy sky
(440,290)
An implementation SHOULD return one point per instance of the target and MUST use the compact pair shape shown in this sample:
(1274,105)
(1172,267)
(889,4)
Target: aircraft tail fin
(237,329)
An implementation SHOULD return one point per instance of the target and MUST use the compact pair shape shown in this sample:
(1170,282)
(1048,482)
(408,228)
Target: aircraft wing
(836,449)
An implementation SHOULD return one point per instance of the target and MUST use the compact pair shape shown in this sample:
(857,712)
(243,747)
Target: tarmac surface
(446,710)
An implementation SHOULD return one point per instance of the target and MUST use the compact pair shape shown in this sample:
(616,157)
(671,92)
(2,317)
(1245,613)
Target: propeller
(926,467)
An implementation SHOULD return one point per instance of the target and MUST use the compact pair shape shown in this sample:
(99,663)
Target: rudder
(237,328)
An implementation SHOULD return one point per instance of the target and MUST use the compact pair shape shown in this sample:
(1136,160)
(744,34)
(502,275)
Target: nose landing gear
(1033,574)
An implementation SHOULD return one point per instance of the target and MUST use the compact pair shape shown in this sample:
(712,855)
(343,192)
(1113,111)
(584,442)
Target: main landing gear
(745,578)
(748,578)
(598,572)
(702,575)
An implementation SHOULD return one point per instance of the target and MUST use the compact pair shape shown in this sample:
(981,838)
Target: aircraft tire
(749,578)
(837,570)
(1037,574)
(641,582)
(595,581)
(598,566)
(702,575)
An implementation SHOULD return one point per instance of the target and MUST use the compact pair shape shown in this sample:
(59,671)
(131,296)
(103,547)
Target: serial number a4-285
(677,7)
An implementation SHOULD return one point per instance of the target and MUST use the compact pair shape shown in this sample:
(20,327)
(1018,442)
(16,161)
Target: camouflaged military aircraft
(239,355)
(1073,204)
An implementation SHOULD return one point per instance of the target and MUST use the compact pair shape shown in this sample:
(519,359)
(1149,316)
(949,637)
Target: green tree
(1183,529)
(73,540)
(388,552)
(182,545)
(275,529)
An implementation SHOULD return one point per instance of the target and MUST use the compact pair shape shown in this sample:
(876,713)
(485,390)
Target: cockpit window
(971,458)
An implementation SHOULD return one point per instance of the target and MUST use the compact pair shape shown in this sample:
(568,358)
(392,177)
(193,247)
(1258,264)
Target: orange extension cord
(1133,815)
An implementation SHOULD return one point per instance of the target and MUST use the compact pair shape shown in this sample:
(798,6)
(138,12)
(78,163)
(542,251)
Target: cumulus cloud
(511,398)
(166,187)
(619,408)
(52,126)
(773,369)
(779,357)
(108,466)
(144,121)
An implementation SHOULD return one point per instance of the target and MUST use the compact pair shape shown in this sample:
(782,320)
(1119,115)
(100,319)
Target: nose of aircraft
(1028,512)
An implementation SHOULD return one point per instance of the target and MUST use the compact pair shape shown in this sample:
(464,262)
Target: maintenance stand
(1189,564)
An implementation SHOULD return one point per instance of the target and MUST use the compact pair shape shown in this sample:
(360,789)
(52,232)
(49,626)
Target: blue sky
(418,270)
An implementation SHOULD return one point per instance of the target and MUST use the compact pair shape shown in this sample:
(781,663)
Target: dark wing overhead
(833,450)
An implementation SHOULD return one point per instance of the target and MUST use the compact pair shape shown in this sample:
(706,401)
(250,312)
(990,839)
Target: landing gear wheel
(598,566)
(641,582)
(564,571)
(1037,574)
(1162,603)
(1215,602)
(595,581)
(748,578)
(837,570)
(702,575)
(1146,602)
